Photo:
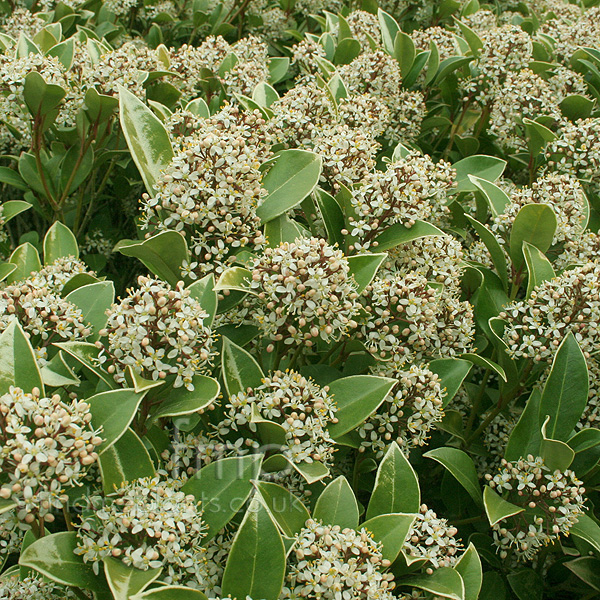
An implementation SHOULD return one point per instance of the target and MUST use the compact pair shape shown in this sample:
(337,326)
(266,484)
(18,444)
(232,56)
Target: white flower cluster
(438,258)
(57,274)
(571,28)
(302,408)
(32,587)
(304,291)
(412,188)
(444,39)
(22,21)
(562,192)
(147,523)
(120,8)
(591,414)
(158,331)
(495,438)
(12,530)
(365,28)
(432,539)
(43,314)
(331,563)
(568,303)
(409,319)
(46,444)
(251,68)
(585,248)
(407,414)
(211,189)
(553,501)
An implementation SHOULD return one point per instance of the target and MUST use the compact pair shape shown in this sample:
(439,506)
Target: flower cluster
(32,587)
(298,405)
(329,562)
(304,291)
(552,502)
(211,189)
(46,444)
(412,188)
(569,303)
(43,314)
(411,319)
(408,413)
(432,539)
(147,523)
(158,331)
(57,274)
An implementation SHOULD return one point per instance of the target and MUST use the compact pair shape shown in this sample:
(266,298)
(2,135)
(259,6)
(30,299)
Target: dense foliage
(299,299)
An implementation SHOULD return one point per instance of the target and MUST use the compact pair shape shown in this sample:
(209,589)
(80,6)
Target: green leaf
(400,234)
(12,178)
(461,467)
(126,460)
(6,505)
(99,107)
(292,178)
(94,300)
(588,530)
(56,373)
(26,259)
(278,68)
(526,584)
(240,370)
(125,580)
(356,398)
(486,363)
(586,445)
(337,505)
(285,507)
(389,30)
(556,454)
(203,290)
(264,94)
(332,215)
(576,107)
(469,568)
(59,242)
(163,254)
(198,107)
(474,41)
(235,278)
(346,51)
(444,582)
(53,556)
(363,267)
(396,486)
(538,135)
(171,592)
(87,355)
(12,208)
(146,137)
(496,198)
(452,372)
(539,267)
(391,530)
(566,390)
(536,224)
(448,66)
(404,52)
(40,97)
(113,411)
(587,568)
(312,472)
(496,508)
(526,437)
(480,165)
(493,246)
(223,487)
(18,365)
(283,229)
(182,401)
(256,564)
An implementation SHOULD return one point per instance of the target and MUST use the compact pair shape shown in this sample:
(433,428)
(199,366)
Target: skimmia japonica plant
(299,299)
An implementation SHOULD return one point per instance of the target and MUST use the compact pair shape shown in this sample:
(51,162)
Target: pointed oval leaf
(125,580)
(363,267)
(480,165)
(398,234)
(171,592)
(534,223)
(443,582)
(286,508)
(94,300)
(240,370)
(59,242)
(337,505)
(182,401)
(469,568)
(496,508)
(18,365)
(26,259)
(391,530)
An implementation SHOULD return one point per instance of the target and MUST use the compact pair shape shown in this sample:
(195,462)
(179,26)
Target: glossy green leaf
(283,229)
(539,268)
(87,354)
(40,97)
(494,248)
(26,259)
(389,30)
(566,390)
(126,460)
(479,165)
(235,278)
(452,372)
(94,300)
(125,580)
(256,563)
(332,216)
(469,568)
(163,254)
(443,582)
(526,437)
(223,487)
(12,208)
(391,530)
(171,592)
(146,137)
(496,508)
(363,267)
(396,486)
(485,363)
(404,52)
(337,505)
(461,466)
(536,224)
(53,556)
(356,398)
(18,365)
(285,507)
(292,178)
(182,401)
(576,107)
(240,370)
(204,291)
(588,530)
(496,197)
(587,568)
(400,234)
(311,472)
